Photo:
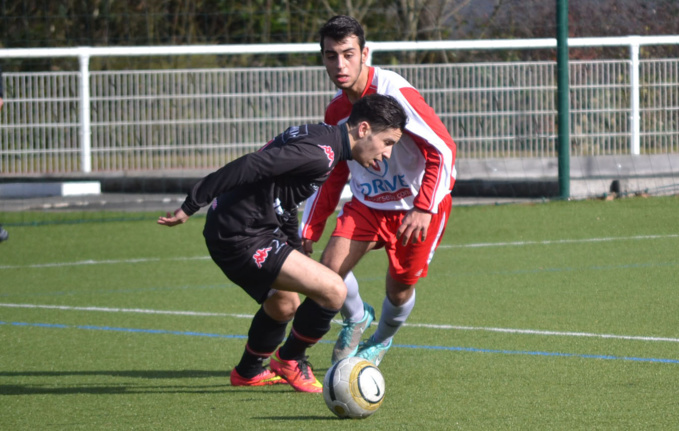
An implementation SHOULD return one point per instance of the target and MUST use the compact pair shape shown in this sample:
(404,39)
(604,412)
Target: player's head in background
(344,54)
(340,27)
(376,124)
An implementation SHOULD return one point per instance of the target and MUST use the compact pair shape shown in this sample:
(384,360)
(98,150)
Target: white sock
(353,305)
(391,319)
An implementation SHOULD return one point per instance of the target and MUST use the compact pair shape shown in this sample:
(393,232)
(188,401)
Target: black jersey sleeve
(293,158)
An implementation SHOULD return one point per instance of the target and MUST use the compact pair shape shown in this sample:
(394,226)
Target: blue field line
(402,346)
(538,353)
(118,329)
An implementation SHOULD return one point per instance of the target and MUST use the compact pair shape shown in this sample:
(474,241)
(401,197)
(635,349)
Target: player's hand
(414,226)
(307,246)
(170,220)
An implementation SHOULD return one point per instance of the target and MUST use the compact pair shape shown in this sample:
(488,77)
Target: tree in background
(587,18)
(66,23)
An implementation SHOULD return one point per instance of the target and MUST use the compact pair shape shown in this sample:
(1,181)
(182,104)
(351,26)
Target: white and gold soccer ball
(353,388)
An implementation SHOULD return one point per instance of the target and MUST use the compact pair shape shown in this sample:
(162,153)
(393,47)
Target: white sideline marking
(559,241)
(413,325)
(442,246)
(128,310)
(103,262)
(539,332)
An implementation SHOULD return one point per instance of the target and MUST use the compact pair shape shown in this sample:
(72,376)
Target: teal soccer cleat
(351,334)
(372,351)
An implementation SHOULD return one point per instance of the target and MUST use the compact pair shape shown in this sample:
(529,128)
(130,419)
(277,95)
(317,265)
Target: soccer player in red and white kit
(401,204)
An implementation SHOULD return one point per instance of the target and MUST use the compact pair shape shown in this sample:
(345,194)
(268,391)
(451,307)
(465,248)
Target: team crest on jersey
(294,131)
(261,255)
(329,153)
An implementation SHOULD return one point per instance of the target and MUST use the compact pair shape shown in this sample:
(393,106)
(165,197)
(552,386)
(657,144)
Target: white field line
(413,325)
(442,246)
(546,333)
(559,241)
(127,310)
(103,262)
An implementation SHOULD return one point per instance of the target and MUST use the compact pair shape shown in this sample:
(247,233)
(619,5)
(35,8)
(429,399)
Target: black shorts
(252,263)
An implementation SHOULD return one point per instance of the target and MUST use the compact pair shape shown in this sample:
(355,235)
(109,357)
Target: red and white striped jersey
(419,173)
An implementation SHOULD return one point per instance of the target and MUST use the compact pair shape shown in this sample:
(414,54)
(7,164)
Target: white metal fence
(198,119)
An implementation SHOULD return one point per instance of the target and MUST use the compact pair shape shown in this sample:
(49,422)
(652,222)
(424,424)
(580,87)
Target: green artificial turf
(559,316)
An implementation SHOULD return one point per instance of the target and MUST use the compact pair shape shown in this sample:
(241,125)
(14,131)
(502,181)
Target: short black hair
(380,111)
(340,27)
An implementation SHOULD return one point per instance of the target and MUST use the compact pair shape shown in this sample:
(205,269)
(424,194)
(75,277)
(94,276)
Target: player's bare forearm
(179,217)
(414,226)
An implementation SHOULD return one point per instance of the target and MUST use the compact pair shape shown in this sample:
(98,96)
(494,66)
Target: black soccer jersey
(261,191)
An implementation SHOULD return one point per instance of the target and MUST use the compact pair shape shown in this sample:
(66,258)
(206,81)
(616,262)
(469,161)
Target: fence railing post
(563,99)
(635,114)
(84,113)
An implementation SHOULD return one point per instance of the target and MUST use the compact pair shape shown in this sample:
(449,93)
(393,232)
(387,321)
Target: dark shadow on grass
(38,389)
(296,418)
(113,387)
(48,390)
(139,374)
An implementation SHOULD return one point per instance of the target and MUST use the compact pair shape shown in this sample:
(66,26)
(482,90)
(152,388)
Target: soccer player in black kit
(251,234)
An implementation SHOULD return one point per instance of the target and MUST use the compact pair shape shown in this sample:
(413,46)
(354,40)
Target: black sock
(264,336)
(310,324)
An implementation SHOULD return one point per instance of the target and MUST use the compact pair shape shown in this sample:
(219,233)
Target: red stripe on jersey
(431,179)
(434,162)
(324,202)
(266,145)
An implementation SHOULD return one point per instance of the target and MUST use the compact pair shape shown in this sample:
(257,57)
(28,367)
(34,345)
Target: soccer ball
(353,388)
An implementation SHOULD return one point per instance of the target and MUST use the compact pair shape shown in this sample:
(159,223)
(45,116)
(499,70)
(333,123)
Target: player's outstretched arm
(179,217)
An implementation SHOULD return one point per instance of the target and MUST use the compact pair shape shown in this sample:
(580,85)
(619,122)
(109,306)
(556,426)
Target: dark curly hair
(380,111)
(340,27)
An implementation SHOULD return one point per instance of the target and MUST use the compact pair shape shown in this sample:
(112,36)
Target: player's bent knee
(335,291)
(399,293)
(304,275)
(281,306)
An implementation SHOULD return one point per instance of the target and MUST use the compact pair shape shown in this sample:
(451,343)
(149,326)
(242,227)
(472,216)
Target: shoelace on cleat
(346,333)
(304,367)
